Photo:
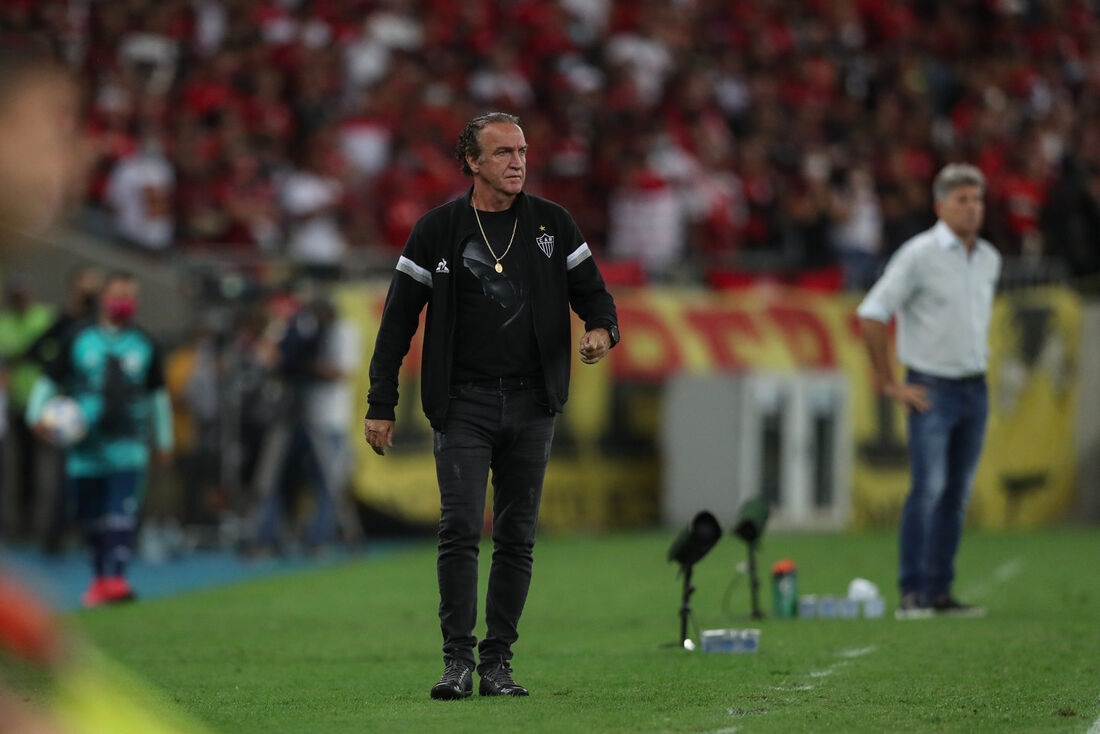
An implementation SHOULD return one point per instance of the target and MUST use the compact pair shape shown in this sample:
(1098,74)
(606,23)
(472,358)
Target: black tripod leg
(754,583)
(685,605)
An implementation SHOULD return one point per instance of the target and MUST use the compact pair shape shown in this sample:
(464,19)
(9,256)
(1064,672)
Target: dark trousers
(945,443)
(510,432)
(107,508)
(25,453)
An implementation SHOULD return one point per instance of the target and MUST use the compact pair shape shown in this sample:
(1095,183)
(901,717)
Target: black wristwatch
(613,332)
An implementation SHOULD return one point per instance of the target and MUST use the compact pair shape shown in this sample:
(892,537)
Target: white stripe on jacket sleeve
(578,256)
(414,271)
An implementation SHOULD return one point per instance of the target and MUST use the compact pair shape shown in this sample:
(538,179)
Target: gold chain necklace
(498,267)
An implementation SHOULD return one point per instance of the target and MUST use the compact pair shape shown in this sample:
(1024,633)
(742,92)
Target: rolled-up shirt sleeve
(892,290)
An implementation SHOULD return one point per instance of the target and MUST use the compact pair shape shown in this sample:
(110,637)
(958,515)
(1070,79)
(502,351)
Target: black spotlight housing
(696,540)
(751,520)
(693,542)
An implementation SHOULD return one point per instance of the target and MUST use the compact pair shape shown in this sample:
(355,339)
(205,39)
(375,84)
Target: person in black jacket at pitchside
(499,270)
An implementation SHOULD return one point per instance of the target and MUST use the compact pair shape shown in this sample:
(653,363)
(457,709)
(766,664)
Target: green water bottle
(784,589)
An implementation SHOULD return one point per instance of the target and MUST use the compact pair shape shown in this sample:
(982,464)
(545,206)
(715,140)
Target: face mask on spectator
(120,311)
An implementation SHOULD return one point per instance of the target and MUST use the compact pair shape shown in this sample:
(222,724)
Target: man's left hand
(595,345)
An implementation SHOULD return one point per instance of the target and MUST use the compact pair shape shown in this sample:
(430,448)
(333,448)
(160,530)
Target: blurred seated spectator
(646,220)
(312,197)
(140,191)
(856,230)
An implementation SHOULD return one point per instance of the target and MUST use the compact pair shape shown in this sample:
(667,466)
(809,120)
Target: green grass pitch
(355,648)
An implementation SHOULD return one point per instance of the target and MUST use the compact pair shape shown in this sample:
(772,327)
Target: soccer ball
(64,421)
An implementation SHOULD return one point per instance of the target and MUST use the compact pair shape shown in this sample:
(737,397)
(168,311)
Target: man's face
(962,210)
(503,162)
(119,301)
(88,282)
(85,290)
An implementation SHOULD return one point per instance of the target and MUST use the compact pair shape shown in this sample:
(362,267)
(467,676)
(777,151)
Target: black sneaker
(912,606)
(948,606)
(497,681)
(457,682)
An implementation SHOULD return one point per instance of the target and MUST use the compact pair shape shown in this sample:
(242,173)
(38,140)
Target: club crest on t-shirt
(545,243)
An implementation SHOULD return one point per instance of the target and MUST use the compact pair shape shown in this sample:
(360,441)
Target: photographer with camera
(316,354)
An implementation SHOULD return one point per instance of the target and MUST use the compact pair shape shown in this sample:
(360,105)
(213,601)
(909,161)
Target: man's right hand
(379,434)
(914,396)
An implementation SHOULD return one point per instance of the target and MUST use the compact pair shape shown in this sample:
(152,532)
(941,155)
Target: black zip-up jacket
(563,275)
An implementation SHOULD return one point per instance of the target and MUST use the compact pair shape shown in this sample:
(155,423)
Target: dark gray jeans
(510,432)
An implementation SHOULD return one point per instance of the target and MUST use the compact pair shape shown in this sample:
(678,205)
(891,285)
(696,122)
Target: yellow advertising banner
(605,468)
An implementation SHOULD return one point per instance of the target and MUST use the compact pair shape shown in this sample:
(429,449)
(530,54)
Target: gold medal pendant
(498,267)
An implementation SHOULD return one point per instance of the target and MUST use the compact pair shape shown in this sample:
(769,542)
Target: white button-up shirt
(943,299)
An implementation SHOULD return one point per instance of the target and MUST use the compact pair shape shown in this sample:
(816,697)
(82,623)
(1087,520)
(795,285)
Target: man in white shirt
(311,199)
(140,191)
(940,285)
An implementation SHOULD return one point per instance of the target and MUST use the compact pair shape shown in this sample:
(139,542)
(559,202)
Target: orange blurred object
(27,626)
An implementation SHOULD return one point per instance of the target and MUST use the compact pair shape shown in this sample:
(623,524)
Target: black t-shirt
(494,331)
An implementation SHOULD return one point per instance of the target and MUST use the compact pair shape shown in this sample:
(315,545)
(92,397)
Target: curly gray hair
(468,140)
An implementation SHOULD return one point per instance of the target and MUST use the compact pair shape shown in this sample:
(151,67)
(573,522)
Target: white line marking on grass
(727,730)
(793,688)
(1001,574)
(1095,728)
(828,671)
(857,652)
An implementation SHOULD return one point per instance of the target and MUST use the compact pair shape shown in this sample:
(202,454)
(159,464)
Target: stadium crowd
(684,136)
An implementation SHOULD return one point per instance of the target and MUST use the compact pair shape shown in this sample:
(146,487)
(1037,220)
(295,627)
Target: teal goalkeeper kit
(117,378)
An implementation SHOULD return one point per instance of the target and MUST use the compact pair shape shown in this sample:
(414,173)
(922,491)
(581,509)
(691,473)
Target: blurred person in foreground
(41,159)
(38,153)
(41,155)
(940,284)
(114,371)
(499,270)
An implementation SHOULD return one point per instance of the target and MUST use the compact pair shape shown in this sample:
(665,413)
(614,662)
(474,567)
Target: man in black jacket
(85,284)
(499,270)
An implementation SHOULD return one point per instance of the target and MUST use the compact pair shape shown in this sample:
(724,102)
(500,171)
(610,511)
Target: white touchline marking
(1001,574)
(854,652)
(742,713)
(857,652)
(1095,728)
(727,730)
(828,671)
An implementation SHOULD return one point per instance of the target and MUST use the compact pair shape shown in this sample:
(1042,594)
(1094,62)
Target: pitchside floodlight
(696,540)
(751,519)
(693,542)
